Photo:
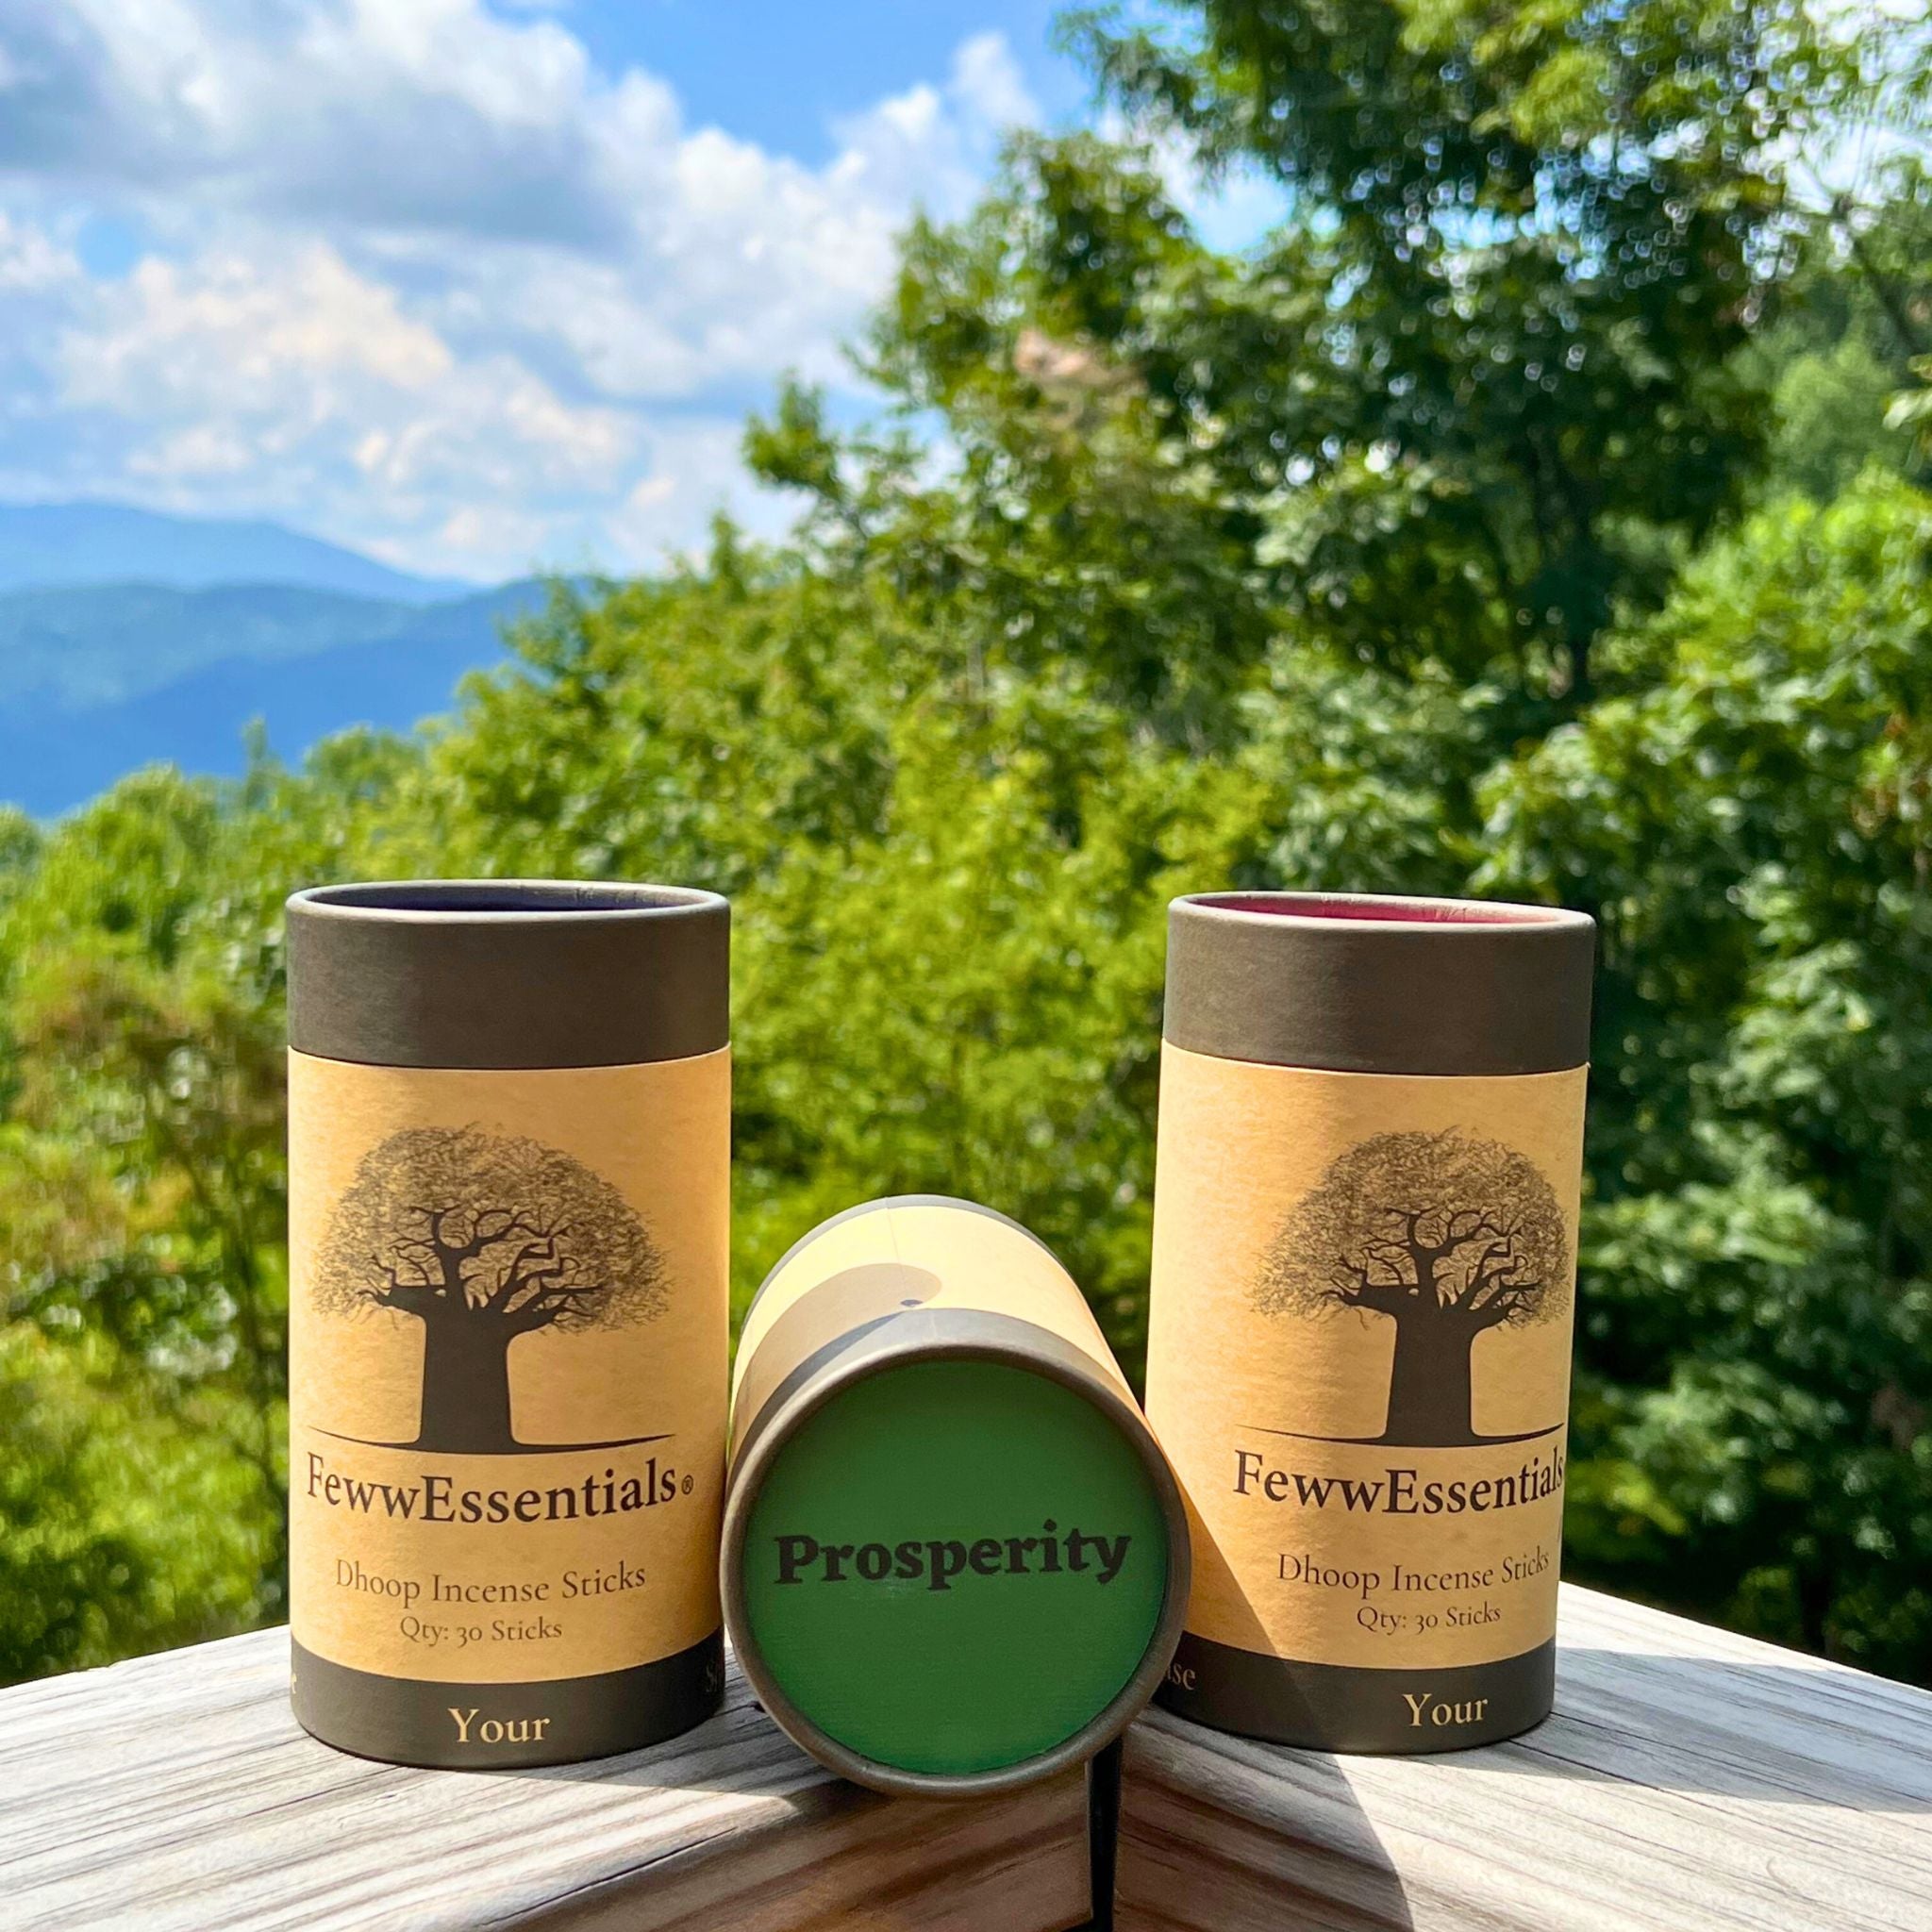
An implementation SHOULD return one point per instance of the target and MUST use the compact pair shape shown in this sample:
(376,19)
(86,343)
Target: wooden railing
(1689,1780)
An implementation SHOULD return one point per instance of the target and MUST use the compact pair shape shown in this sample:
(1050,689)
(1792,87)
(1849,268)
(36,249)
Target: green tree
(1527,245)
(1755,1394)
(1846,357)
(142,1194)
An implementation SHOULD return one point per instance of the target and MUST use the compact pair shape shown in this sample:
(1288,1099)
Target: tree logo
(1444,1235)
(483,1238)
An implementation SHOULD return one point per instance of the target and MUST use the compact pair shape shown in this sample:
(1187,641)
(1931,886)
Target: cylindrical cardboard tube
(1364,1264)
(509,1200)
(955,1558)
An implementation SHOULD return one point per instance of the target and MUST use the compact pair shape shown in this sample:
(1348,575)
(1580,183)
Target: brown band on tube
(489,973)
(1361,983)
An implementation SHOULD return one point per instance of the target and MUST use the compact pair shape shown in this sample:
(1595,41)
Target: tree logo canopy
(1445,1235)
(483,1238)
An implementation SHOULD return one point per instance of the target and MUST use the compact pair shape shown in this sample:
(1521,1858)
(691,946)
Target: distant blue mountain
(45,545)
(128,637)
(97,681)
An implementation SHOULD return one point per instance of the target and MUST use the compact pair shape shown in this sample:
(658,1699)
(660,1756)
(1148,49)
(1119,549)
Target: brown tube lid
(507,972)
(1372,984)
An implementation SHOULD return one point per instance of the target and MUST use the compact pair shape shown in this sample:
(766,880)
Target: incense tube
(955,1559)
(1364,1253)
(509,1195)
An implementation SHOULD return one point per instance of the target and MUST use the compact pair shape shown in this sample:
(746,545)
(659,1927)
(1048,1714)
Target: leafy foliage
(1536,238)
(1752,830)
(1474,531)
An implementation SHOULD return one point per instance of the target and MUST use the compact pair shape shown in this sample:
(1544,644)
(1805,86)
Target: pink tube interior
(1405,911)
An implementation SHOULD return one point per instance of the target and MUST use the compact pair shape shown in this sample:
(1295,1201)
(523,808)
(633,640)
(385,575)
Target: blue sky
(784,73)
(468,284)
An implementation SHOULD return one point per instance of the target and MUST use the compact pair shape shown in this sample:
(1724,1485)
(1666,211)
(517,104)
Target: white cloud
(418,273)
(940,138)
(285,381)
(986,79)
(32,259)
(692,467)
(430,114)
(231,329)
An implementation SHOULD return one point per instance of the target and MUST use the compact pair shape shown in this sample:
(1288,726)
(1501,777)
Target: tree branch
(551,1305)
(1423,1256)
(1503,1304)
(416,1298)
(1348,1275)
(1397,1264)
(515,1275)
(1411,1237)
(1482,1270)
(540,1281)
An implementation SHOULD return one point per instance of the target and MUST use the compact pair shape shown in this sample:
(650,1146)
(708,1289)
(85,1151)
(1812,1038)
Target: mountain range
(50,543)
(128,637)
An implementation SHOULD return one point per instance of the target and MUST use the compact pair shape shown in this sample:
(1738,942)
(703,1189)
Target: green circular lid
(954,1566)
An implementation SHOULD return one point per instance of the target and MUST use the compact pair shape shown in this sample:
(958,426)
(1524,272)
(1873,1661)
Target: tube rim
(1015,1343)
(508,973)
(1486,918)
(579,900)
(1379,983)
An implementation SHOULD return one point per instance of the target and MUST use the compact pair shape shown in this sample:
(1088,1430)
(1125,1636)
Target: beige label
(1358,1358)
(507,1333)
(918,1255)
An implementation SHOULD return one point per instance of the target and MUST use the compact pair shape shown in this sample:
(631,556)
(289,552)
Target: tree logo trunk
(1444,1235)
(482,1239)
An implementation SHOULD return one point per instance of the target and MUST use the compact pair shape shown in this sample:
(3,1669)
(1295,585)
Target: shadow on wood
(1794,1733)
(1689,1780)
(1222,1836)
(176,1793)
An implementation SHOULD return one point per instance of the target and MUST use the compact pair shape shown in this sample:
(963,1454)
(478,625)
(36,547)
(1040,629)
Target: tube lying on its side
(955,1559)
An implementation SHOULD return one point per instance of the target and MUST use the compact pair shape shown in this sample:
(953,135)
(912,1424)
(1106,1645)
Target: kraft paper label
(507,1331)
(921,1254)
(1359,1357)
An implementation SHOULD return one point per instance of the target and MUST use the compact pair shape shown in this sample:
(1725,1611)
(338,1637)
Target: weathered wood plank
(1690,1780)
(175,1791)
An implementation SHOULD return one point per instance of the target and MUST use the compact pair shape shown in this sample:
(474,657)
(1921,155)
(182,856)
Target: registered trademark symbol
(685,1486)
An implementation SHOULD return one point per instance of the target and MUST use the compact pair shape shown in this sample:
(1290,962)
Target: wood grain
(1690,1780)
(175,1792)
